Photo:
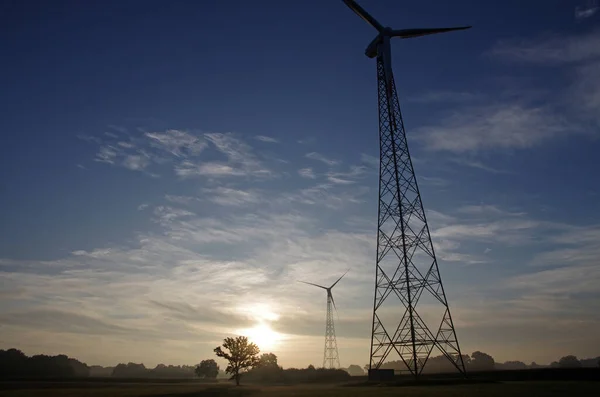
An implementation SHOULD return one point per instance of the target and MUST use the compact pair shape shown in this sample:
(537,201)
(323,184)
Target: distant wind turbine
(331,358)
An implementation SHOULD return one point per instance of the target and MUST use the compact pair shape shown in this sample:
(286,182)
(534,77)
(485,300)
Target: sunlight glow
(262,312)
(263,335)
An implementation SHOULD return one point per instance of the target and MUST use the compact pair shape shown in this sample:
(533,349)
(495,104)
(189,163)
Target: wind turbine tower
(411,316)
(331,358)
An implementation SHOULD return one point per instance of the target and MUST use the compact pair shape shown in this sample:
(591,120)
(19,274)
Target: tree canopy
(355,370)
(481,362)
(569,362)
(207,369)
(241,355)
(268,360)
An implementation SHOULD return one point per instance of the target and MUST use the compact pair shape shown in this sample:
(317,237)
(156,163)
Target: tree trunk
(237,379)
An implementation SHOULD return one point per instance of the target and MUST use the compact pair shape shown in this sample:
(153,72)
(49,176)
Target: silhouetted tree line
(268,371)
(355,370)
(479,361)
(100,371)
(14,364)
(133,370)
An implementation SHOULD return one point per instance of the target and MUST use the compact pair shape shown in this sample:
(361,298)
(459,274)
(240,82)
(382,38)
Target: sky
(170,170)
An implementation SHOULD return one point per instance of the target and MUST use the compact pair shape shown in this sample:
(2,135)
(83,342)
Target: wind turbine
(406,267)
(331,358)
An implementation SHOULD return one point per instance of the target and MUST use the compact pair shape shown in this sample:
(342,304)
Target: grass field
(500,389)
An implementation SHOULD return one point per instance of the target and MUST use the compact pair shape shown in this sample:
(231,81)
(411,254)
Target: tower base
(381,375)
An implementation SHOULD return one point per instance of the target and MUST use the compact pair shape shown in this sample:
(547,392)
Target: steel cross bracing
(406,271)
(403,238)
(331,357)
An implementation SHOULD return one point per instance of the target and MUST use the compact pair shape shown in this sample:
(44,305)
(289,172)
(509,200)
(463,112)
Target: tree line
(244,359)
(14,364)
(479,361)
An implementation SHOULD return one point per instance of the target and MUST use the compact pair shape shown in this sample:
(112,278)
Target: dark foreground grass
(500,389)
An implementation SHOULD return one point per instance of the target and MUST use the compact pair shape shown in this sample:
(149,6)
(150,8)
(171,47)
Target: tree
(242,356)
(207,369)
(481,361)
(511,365)
(569,362)
(130,370)
(355,370)
(268,360)
(266,369)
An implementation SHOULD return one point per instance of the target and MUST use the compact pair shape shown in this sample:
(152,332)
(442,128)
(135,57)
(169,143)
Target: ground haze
(513,389)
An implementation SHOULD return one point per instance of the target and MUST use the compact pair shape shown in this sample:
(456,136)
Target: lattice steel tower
(331,358)
(406,272)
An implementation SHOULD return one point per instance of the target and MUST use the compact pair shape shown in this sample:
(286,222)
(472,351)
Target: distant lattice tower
(407,274)
(331,358)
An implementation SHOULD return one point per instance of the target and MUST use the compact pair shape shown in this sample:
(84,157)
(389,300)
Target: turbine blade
(332,301)
(363,14)
(316,285)
(410,33)
(333,285)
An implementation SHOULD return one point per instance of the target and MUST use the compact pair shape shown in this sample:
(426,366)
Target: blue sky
(171,168)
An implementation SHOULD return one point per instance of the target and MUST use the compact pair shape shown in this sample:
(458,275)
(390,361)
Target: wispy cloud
(232,197)
(371,161)
(89,138)
(213,169)
(307,173)
(306,141)
(477,164)
(571,245)
(118,128)
(240,156)
(136,162)
(486,226)
(133,154)
(330,195)
(182,200)
(584,94)
(106,154)
(126,145)
(445,96)
(355,173)
(587,11)
(486,209)
(265,138)
(509,231)
(580,101)
(494,126)
(433,181)
(176,142)
(320,157)
(180,150)
(526,120)
(550,50)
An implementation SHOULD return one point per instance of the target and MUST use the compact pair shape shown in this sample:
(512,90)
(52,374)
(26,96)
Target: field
(190,389)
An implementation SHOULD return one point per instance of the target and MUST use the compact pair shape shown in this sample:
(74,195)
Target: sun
(263,335)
